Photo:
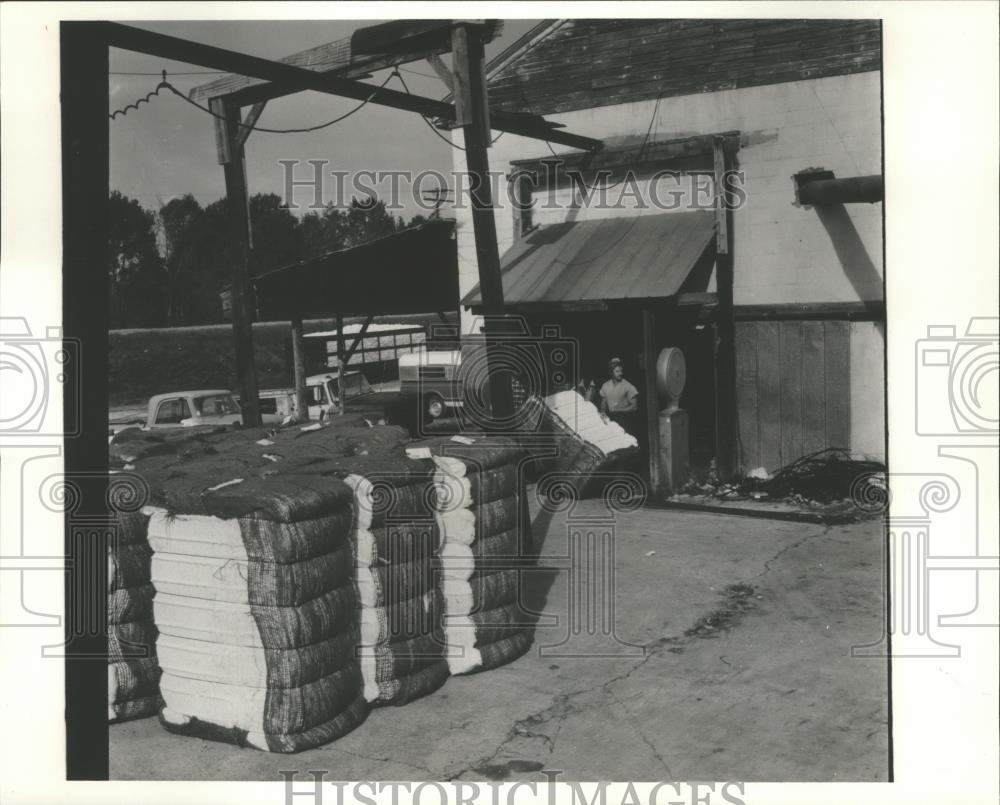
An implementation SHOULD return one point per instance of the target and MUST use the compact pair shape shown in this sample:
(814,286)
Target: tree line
(167,267)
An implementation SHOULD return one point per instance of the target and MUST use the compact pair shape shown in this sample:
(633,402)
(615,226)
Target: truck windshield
(355,384)
(215,405)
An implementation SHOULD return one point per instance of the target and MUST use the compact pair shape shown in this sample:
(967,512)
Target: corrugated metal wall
(793,389)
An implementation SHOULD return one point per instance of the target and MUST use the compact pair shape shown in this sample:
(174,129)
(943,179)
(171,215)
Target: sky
(166,148)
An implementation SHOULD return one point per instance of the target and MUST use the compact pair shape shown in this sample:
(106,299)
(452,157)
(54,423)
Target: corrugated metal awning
(638,257)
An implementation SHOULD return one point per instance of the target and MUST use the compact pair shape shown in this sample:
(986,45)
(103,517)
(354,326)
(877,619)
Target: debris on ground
(830,477)
(739,599)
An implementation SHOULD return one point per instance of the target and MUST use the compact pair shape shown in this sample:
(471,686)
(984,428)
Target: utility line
(164,84)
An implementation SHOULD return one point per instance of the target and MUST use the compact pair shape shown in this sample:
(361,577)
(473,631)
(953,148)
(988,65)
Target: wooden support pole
(651,401)
(299,365)
(341,361)
(467,53)
(238,203)
(88,521)
(727,460)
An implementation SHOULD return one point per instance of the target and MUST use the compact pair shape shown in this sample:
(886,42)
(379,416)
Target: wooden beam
(288,79)
(223,154)
(89,521)
(721,205)
(299,369)
(249,122)
(693,153)
(341,58)
(852,190)
(651,402)
(468,67)
(341,361)
(442,70)
(726,443)
(239,223)
(357,339)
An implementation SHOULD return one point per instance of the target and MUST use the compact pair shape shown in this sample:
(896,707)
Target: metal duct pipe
(842,191)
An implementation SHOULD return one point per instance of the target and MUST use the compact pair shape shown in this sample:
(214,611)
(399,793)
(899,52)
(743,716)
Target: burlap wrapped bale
(395,538)
(584,441)
(133,640)
(481,552)
(133,672)
(256,618)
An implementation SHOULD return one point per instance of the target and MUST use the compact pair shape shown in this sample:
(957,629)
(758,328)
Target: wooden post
(473,114)
(341,361)
(299,364)
(88,523)
(231,156)
(727,460)
(651,401)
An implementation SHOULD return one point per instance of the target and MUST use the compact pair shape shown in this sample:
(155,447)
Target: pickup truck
(183,409)
(277,406)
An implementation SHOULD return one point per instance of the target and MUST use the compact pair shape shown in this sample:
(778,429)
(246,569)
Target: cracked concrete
(729,659)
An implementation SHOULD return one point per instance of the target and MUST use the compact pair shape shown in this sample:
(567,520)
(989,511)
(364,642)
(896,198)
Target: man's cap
(615,362)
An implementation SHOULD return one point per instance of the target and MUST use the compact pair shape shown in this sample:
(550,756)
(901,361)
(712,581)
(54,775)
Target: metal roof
(637,257)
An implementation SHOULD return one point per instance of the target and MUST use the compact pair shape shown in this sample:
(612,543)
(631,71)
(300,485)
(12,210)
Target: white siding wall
(782,253)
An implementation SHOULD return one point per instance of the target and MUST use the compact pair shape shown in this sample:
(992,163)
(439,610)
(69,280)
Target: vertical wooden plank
(237,200)
(651,403)
(813,387)
(341,361)
(790,336)
(84,125)
(838,383)
(299,367)
(721,201)
(769,394)
(746,395)
(726,434)
(467,52)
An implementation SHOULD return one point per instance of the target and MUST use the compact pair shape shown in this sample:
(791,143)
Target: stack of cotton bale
(584,440)
(255,591)
(485,542)
(395,540)
(133,672)
(255,610)
(289,595)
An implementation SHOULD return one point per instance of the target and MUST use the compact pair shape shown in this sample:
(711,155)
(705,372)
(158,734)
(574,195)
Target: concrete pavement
(730,660)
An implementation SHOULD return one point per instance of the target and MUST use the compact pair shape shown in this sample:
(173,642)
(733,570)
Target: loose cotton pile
(133,672)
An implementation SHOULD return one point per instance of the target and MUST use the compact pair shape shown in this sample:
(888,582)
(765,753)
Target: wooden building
(805,326)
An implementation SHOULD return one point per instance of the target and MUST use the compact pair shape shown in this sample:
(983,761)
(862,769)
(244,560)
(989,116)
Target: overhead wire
(431,126)
(639,155)
(164,84)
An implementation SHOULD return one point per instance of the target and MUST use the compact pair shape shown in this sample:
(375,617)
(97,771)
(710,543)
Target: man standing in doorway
(619,398)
